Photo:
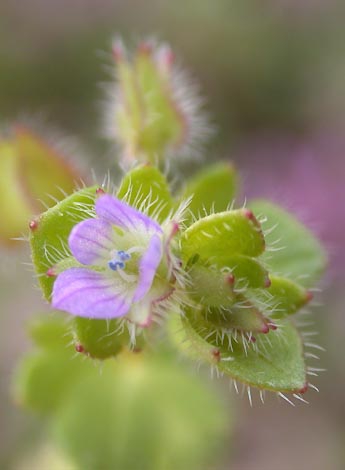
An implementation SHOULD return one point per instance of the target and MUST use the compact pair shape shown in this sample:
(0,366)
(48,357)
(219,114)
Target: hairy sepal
(146,189)
(275,363)
(210,286)
(241,316)
(247,271)
(50,231)
(284,297)
(220,235)
(102,339)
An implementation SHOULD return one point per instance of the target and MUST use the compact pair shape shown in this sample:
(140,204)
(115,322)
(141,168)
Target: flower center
(119,260)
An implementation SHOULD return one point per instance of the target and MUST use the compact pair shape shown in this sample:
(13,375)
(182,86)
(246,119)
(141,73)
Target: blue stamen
(123,255)
(118,262)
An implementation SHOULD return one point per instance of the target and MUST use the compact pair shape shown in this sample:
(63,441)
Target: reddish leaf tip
(248,213)
(51,272)
(33,224)
(100,191)
(304,389)
(250,216)
(230,279)
(216,354)
(79,348)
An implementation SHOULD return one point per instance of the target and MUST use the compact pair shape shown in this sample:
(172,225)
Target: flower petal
(121,214)
(90,294)
(91,241)
(148,266)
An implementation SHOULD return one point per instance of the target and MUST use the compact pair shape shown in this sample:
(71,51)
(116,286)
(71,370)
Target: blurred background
(273,73)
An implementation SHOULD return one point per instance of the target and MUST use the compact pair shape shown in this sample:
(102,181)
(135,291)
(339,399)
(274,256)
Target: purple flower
(122,265)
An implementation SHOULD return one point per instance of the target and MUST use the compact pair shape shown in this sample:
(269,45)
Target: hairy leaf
(221,235)
(275,362)
(301,256)
(213,190)
(145,185)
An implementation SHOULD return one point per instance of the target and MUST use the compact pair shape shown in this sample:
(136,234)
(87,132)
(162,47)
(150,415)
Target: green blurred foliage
(141,411)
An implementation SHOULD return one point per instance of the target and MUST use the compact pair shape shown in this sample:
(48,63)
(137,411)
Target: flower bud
(153,110)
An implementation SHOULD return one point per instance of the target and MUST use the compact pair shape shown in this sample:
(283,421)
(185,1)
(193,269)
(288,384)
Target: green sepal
(213,189)
(210,286)
(67,263)
(284,297)
(49,234)
(297,253)
(218,236)
(275,362)
(146,185)
(247,271)
(102,338)
(242,316)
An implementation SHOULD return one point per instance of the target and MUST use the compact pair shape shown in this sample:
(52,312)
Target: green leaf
(45,377)
(302,257)
(220,235)
(43,168)
(145,185)
(49,233)
(278,365)
(15,206)
(284,297)
(51,330)
(141,413)
(213,190)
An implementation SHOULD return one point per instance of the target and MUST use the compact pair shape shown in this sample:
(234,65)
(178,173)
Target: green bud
(152,110)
